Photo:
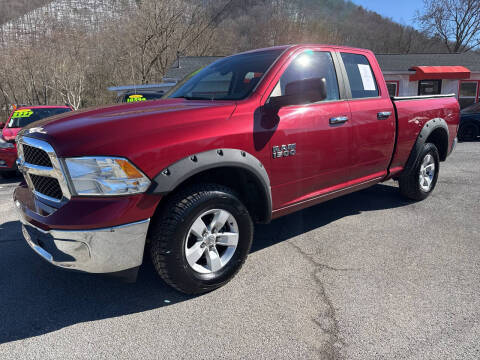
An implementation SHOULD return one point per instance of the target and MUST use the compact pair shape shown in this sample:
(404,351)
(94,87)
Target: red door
(322,151)
(372,117)
(310,142)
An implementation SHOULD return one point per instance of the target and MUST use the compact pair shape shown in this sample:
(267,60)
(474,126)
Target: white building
(430,74)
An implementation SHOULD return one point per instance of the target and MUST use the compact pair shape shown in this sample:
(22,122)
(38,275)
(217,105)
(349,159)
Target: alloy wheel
(427,172)
(211,241)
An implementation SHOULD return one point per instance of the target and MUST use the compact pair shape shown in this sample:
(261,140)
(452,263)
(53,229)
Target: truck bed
(412,113)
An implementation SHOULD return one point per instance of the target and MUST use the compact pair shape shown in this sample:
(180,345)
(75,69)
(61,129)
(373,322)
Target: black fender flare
(175,174)
(428,128)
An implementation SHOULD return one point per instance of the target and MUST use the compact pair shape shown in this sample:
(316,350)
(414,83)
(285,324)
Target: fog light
(3,163)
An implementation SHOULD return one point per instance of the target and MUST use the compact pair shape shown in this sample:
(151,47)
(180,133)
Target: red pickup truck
(250,138)
(19,118)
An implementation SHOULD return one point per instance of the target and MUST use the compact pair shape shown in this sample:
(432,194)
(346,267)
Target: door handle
(383,115)
(338,120)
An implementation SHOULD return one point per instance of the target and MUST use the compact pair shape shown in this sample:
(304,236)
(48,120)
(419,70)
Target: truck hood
(10,134)
(124,129)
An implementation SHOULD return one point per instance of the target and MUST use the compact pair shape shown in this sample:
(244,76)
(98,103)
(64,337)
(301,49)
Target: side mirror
(301,92)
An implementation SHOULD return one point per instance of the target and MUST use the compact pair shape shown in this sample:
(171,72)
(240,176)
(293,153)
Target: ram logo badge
(284,150)
(39,130)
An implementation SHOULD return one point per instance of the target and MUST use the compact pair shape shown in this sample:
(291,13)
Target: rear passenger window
(360,76)
(310,65)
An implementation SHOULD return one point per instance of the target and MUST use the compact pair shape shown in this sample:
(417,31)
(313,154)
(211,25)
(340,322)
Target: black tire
(409,180)
(468,132)
(169,230)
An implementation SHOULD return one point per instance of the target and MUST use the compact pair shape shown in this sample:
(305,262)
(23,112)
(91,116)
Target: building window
(392,86)
(468,93)
(429,87)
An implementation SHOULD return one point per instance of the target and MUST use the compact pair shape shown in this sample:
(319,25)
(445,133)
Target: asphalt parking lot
(365,276)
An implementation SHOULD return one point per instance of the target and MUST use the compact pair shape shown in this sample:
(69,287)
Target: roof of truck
(185,65)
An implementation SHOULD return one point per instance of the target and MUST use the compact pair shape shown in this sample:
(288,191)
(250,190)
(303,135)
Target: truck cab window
(360,76)
(309,65)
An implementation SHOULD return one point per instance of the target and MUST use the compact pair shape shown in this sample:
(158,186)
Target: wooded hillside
(12,9)
(72,50)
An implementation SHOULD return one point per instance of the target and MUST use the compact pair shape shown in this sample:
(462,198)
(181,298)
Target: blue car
(469,128)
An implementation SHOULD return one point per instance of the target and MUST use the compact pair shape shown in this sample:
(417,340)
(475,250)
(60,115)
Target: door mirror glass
(301,92)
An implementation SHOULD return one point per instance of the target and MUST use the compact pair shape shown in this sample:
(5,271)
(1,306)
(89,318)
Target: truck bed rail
(421,97)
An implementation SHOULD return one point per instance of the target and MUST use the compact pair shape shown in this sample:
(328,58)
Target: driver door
(311,144)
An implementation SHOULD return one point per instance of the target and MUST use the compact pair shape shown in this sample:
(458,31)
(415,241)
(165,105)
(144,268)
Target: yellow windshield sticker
(135,98)
(23,113)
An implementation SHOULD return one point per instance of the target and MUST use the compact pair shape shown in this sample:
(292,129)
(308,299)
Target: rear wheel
(201,239)
(468,132)
(418,182)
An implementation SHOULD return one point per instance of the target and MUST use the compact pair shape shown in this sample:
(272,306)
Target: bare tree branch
(456,22)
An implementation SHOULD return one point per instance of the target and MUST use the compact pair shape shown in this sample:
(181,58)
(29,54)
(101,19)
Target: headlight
(105,176)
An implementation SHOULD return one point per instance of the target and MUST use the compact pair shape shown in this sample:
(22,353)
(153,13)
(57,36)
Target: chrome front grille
(42,169)
(36,156)
(47,186)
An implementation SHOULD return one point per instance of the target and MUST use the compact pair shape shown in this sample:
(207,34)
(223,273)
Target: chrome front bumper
(94,251)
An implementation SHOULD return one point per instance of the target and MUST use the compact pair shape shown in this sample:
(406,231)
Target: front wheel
(201,239)
(419,182)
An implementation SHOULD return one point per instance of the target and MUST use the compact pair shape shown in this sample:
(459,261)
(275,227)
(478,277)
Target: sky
(402,11)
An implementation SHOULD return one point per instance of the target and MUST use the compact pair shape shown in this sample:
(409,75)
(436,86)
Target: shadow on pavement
(377,197)
(37,298)
(10,180)
(10,231)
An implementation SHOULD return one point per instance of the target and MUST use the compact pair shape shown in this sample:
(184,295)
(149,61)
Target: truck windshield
(25,116)
(232,78)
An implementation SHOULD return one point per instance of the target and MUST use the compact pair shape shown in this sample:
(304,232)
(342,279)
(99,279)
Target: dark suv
(469,128)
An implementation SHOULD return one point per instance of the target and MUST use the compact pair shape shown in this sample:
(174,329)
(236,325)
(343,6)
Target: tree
(159,30)
(71,51)
(68,69)
(455,22)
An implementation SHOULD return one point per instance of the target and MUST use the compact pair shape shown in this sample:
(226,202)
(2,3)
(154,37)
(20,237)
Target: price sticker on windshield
(23,113)
(135,98)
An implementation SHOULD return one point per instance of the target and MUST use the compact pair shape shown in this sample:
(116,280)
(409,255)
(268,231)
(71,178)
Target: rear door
(309,152)
(372,115)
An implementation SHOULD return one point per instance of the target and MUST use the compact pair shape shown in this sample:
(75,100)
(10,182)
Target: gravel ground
(365,276)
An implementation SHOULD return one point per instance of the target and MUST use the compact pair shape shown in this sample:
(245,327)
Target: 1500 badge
(284,150)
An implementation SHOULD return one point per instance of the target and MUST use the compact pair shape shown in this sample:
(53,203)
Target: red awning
(439,72)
